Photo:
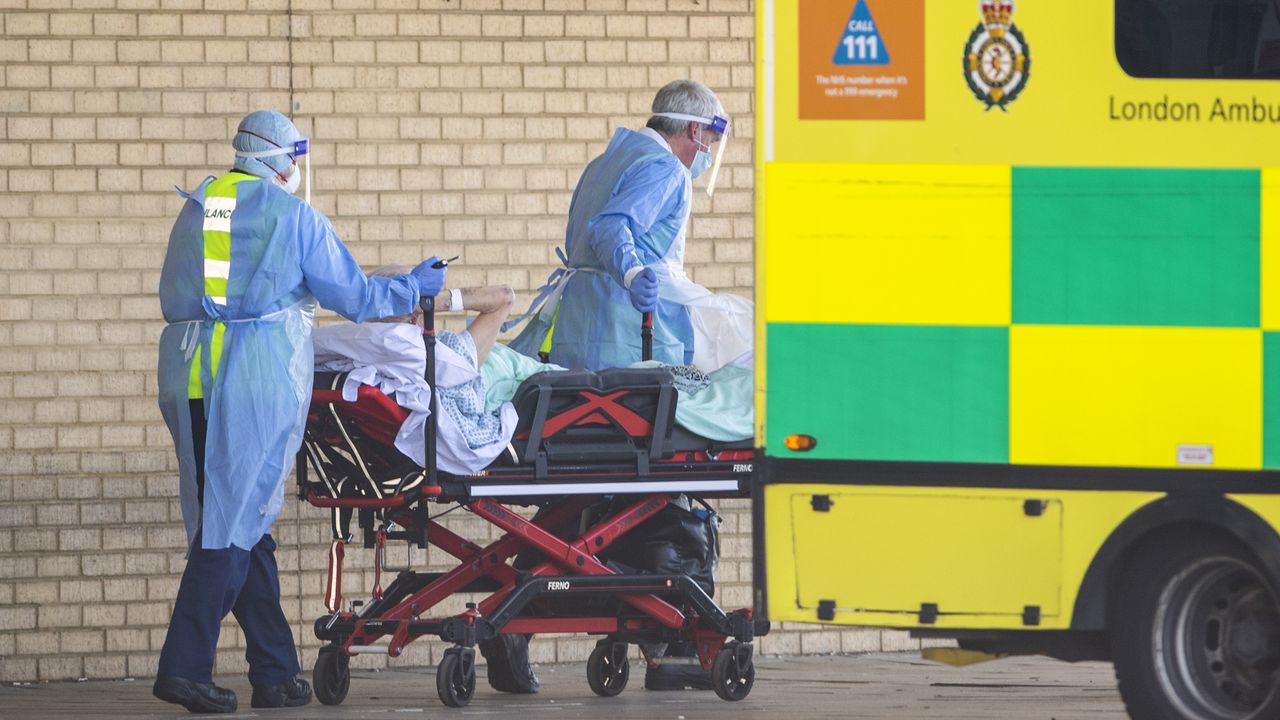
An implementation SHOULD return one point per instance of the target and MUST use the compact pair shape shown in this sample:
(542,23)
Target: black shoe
(507,659)
(194,696)
(676,677)
(294,693)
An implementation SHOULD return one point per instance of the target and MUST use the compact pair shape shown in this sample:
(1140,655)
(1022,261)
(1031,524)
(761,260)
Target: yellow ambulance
(1018,330)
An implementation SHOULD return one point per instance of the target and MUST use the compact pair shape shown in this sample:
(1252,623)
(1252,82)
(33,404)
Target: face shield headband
(716,124)
(301,148)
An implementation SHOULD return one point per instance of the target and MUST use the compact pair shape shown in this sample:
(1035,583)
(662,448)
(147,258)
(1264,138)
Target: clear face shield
(719,126)
(299,149)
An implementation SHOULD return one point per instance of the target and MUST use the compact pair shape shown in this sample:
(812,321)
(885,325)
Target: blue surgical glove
(644,290)
(430,279)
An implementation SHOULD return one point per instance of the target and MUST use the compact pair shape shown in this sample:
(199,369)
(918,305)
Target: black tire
(331,676)
(455,679)
(1195,630)
(605,675)
(730,681)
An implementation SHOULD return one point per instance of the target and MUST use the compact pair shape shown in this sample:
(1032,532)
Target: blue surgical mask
(701,161)
(290,184)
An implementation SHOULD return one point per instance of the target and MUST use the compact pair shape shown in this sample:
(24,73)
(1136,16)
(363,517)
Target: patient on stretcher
(390,355)
(477,377)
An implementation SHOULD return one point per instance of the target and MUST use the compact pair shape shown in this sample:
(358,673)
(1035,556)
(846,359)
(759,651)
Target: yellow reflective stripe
(216,287)
(219,204)
(225,186)
(216,351)
(546,341)
(195,388)
(217,245)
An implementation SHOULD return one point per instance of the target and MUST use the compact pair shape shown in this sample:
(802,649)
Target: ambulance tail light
(800,443)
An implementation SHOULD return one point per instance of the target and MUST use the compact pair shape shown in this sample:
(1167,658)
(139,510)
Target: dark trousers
(245,583)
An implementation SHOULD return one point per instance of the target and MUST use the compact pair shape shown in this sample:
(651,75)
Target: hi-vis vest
(219,204)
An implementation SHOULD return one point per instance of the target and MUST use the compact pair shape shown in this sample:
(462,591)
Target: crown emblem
(997,60)
(997,15)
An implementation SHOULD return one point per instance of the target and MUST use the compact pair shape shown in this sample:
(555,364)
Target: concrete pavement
(897,685)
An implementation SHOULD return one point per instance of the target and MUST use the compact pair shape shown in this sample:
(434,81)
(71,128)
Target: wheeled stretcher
(582,437)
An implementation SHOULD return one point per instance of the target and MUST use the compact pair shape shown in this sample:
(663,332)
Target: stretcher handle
(646,336)
(428,305)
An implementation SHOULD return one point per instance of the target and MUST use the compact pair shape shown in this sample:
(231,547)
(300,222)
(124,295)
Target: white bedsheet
(392,358)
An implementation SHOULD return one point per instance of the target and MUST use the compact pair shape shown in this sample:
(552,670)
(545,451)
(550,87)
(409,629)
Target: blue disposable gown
(629,209)
(284,257)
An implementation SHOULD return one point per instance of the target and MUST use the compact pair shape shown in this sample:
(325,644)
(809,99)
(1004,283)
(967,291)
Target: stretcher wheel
(608,668)
(456,677)
(733,673)
(331,676)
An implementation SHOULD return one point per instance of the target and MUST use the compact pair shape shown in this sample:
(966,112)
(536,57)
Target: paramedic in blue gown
(246,264)
(625,255)
(625,241)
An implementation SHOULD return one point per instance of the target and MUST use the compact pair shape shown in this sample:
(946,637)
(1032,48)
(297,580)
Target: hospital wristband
(455,300)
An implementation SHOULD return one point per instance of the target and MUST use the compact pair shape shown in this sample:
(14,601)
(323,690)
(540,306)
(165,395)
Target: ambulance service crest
(997,60)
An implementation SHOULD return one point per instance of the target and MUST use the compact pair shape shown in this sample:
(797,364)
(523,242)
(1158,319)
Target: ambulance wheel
(331,676)
(1195,633)
(607,670)
(456,677)
(732,677)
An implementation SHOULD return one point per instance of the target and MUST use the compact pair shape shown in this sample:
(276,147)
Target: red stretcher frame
(569,562)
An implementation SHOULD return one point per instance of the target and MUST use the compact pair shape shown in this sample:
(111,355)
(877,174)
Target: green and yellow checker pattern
(1030,315)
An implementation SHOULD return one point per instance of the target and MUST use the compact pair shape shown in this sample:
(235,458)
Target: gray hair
(687,97)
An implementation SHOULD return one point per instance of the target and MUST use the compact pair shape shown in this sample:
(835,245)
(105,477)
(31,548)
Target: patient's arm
(492,302)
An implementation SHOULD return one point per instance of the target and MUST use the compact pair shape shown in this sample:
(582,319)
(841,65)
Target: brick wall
(450,127)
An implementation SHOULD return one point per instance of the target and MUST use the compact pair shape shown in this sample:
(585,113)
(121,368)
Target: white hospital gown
(464,402)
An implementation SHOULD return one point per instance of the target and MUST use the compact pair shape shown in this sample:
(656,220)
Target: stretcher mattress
(390,356)
(578,432)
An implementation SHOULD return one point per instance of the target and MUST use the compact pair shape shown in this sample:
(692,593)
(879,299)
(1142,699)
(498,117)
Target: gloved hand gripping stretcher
(581,437)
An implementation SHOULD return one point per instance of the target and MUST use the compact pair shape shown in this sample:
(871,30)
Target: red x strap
(632,423)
